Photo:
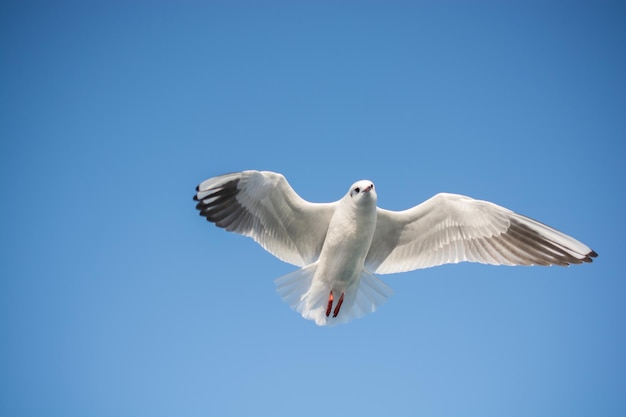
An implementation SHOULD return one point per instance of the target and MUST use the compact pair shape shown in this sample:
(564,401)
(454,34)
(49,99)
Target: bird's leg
(338,306)
(330,303)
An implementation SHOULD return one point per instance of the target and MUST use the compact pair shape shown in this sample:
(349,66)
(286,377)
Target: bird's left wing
(451,228)
(263,206)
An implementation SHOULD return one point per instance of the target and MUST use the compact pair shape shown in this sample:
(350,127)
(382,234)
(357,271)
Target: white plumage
(340,245)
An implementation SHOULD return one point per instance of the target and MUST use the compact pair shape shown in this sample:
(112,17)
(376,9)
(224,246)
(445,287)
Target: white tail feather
(310,298)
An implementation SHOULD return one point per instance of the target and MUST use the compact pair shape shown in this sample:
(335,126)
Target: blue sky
(117,299)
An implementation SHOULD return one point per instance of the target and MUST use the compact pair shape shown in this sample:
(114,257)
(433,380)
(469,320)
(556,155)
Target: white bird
(340,245)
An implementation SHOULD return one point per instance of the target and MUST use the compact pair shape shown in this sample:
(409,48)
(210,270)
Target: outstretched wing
(451,228)
(263,206)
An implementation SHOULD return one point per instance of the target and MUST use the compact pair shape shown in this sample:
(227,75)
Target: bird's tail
(310,298)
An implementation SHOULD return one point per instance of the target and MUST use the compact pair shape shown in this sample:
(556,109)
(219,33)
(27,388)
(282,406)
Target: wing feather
(263,206)
(451,228)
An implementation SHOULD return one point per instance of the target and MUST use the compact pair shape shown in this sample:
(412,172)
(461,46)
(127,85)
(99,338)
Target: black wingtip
(589,257)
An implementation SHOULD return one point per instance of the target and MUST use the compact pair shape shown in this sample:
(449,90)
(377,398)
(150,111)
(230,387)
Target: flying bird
(339,246)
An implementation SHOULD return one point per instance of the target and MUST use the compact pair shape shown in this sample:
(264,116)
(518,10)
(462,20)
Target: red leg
(330,303)
(338,306)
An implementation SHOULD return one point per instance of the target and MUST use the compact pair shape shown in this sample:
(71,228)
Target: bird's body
(340,245)
(350,233)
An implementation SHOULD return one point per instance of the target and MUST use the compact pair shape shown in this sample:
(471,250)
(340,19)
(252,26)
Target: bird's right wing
(263,206)
(451,228)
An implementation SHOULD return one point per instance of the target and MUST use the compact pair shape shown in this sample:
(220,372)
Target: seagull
(339,246)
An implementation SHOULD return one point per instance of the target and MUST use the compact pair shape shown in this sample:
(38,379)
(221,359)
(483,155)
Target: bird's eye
(357,189)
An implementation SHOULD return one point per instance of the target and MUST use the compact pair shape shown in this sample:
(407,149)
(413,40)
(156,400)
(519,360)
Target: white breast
(347,243)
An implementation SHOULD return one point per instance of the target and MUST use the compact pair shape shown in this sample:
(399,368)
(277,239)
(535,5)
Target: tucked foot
(338,306)
(330,303)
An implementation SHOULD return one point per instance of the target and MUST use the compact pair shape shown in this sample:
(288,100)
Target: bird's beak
(368,188)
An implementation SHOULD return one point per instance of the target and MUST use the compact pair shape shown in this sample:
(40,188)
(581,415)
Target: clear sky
(117,299)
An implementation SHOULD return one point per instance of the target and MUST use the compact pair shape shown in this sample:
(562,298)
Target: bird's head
(363,191)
